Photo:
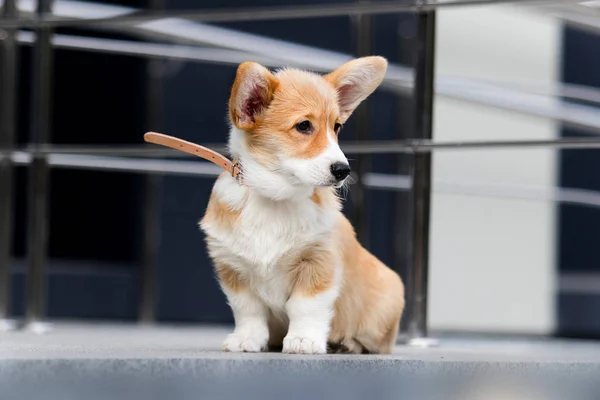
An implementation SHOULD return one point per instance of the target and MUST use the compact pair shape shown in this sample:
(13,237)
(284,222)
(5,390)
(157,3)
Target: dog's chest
(269,234)
(266,238)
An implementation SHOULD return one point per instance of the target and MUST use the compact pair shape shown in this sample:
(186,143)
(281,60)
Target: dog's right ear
(251,94)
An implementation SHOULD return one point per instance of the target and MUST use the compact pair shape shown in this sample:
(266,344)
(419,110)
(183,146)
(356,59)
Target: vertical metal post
(402,226)
(150,234)
(8,131)
(362,122)
(151,214)
(38,212)
(421,178)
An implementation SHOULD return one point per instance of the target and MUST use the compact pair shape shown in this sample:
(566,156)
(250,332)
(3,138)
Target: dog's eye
(303,127)
(337,127)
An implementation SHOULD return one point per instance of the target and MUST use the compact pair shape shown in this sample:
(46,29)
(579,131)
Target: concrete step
(92,361)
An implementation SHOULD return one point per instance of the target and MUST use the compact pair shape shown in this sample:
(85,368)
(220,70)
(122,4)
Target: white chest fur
(267,236)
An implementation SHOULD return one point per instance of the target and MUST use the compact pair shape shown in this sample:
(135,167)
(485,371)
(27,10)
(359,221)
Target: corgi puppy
(287,259)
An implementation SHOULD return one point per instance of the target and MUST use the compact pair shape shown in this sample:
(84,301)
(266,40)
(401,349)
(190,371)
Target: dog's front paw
(237,343)
(303,345)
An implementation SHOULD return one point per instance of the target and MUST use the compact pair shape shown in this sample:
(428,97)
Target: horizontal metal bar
(86,162)
(579,197)
(151,50)
(403,183)
(183,31)
(399,79)
(584,15)
(589,94)
(366,147)
(574,115)
(274,52)
(580,283)
(266,13)
(425,146)
(227,56)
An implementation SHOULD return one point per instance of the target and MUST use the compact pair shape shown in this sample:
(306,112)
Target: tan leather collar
(197,150)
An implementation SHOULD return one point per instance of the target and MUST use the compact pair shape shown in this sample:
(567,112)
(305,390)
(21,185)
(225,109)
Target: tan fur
(298,97)
(219,213)
(371,301)
(312,273)
(245,69)
(316,198)
(338,79)
(371,298)
(229,277)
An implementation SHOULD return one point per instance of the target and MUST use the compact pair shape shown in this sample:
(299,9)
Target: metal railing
(39,155)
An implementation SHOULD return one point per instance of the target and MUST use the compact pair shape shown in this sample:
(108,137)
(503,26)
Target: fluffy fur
(287,259)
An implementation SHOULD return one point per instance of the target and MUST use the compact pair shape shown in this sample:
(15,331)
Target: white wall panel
(493,260)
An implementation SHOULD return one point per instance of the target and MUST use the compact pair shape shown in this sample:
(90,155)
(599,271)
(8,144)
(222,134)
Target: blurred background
(505,255)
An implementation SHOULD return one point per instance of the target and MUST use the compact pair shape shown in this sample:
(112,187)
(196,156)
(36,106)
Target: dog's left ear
(356,80)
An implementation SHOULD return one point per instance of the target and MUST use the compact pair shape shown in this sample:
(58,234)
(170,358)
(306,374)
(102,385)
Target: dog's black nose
(340,170)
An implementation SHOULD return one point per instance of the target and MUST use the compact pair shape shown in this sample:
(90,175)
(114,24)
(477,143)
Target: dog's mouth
(295,180)
(333,184)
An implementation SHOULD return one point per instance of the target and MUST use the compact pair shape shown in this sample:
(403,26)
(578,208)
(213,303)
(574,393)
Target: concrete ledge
(108,361)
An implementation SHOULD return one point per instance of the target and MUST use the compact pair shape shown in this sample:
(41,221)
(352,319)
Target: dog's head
(286,125)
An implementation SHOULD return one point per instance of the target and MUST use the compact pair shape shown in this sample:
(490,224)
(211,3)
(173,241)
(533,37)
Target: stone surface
(111,341)
(114,361)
